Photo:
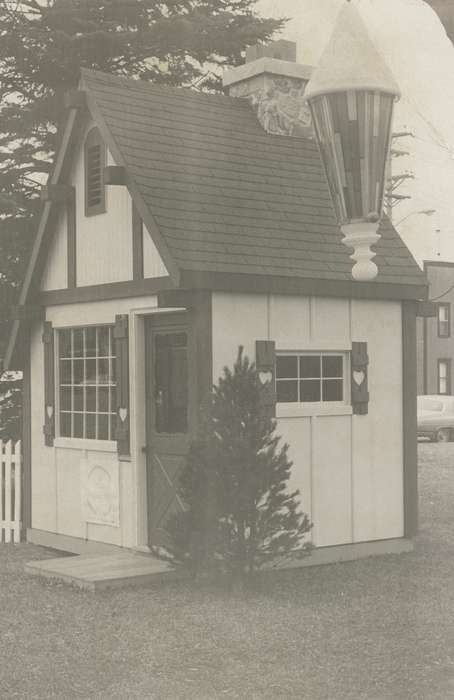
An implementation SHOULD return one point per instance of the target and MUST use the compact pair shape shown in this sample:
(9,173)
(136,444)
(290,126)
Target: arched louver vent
(94,166)
(94,187)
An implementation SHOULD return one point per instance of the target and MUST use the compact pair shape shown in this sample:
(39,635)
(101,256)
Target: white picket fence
(10,492)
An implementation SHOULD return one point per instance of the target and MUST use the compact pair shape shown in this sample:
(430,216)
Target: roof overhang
(273,284)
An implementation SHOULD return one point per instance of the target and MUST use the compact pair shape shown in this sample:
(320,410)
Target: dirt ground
(377,628)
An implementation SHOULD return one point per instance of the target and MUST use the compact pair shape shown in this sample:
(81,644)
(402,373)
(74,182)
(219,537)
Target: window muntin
(444,376)
(171,382)
(310,377)
(95,160)
(86,383)
(444,320)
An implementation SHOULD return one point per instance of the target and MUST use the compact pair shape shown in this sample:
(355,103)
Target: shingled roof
(226,196)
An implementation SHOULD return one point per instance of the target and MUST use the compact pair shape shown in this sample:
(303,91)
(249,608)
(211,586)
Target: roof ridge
(145,86)
(184,92)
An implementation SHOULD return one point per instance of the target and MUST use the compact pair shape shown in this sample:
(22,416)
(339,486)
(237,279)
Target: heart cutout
(359,376)
(266,377)
(123,413)
(50,411)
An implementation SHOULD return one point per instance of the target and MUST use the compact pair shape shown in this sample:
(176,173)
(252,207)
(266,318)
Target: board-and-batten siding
(349,468)
(103,242)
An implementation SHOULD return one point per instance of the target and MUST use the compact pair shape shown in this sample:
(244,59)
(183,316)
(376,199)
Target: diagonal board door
(171,400)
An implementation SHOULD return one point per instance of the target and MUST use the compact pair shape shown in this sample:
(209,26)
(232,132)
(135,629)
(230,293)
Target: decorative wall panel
(100,491)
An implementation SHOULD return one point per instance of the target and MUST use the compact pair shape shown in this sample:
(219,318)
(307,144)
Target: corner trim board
(410,439)
(425,355)
(26,442)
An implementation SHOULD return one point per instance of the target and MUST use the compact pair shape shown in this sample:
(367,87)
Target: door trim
(139,313)
(176,444)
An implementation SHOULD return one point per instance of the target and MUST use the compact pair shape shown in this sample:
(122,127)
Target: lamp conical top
(351,61)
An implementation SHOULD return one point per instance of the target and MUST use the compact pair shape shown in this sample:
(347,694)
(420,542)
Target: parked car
(436,418)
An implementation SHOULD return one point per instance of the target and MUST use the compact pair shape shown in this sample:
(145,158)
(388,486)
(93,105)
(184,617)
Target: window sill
(297,410)
(85,444)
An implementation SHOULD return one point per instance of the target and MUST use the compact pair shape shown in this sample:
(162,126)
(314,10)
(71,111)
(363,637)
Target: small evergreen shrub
(240,513)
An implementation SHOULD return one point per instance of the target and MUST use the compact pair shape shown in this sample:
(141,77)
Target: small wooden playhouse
(176,226)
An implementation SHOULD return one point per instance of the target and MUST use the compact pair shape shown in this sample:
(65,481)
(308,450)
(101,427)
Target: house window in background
(444,376)
(310,377)
(86,380)
(444,320)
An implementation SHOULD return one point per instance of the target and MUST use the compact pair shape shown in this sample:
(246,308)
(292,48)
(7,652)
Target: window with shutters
(86,383)
(309,378)
(95,160)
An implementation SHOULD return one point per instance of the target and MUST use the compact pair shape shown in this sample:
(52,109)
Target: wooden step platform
(95,572)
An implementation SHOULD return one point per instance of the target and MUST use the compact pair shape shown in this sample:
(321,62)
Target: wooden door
(170,415)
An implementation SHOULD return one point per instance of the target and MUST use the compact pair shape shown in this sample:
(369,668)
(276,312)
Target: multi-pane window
(86,366)
(444,376)
(444,320)
(310,377)
(94,166)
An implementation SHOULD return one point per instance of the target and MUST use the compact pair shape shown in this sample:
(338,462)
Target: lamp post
(426,212)
(351,96)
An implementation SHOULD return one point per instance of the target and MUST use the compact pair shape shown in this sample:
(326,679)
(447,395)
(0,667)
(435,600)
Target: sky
(413,41)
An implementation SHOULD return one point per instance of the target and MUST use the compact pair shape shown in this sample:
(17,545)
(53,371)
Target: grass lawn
(378,628)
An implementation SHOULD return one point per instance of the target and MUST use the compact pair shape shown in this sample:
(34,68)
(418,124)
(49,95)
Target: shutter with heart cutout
(265,362)
(359,379)
(121,337)
(49,384)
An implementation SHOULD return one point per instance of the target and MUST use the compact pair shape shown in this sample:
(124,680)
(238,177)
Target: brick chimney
(274,84)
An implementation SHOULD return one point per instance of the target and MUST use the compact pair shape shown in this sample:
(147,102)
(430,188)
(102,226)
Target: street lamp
(426,212)
(351,96)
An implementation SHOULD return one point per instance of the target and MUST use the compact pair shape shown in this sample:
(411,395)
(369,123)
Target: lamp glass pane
(353,129)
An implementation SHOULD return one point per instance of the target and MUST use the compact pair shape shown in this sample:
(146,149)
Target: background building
(435,334)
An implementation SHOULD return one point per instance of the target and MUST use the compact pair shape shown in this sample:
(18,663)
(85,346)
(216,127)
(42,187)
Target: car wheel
(443,435)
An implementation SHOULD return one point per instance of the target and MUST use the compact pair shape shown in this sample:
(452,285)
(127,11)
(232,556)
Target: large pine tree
(43,45)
